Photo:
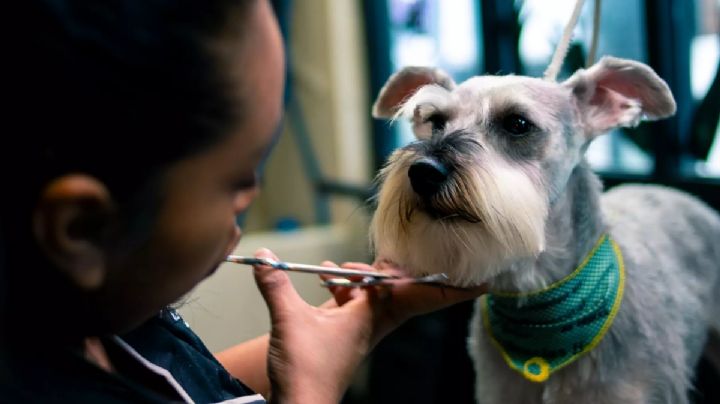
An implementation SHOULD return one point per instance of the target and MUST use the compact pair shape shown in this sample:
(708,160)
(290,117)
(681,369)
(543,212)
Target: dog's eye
(517,125)
(438,121)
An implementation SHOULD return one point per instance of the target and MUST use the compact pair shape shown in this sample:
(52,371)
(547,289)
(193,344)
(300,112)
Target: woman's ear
(72,215)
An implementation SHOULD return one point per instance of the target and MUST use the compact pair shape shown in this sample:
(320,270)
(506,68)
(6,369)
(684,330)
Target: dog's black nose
(427,175)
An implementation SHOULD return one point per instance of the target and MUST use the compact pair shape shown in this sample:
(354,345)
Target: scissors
(368,278)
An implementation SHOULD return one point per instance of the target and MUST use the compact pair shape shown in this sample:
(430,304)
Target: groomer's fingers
(379,266)
(360,266)
(341,294)
(417,298)
(275,286)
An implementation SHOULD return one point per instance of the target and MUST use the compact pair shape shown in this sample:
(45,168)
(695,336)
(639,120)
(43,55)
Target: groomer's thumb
(275,286)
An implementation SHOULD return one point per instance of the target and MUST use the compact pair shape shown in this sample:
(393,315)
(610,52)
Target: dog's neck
(573,226)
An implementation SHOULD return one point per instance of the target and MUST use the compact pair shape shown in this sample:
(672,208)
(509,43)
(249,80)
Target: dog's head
(493,153)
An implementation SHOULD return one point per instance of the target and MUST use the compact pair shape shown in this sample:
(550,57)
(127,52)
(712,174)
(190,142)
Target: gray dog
(595,298)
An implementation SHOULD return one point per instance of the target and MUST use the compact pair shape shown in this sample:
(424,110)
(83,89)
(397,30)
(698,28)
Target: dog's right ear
(403,84)
(618,92)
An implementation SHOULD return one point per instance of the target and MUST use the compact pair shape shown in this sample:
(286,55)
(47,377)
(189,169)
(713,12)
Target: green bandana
(554,326)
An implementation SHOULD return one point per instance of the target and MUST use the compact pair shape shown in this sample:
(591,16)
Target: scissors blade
(314,269)
(432,280)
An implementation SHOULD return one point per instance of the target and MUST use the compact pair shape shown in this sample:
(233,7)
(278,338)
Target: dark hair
(116,89)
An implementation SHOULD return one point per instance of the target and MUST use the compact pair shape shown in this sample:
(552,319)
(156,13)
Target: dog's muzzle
(435,175)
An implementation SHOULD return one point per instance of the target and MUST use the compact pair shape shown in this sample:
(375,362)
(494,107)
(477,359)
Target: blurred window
(449,35)
(704,62)
(434,33)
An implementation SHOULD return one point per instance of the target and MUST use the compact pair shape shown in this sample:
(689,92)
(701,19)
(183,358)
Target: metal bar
(501,31)
(377,32)
(669,55)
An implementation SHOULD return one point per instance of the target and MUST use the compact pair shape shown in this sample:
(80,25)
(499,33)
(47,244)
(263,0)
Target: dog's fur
(520,212)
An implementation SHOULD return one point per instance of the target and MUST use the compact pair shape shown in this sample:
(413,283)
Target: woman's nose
(244,198)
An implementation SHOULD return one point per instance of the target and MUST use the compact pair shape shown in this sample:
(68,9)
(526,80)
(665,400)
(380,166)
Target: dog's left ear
(618,92)
(403,84)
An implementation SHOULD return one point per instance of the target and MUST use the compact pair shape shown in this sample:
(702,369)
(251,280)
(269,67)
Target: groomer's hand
(314,351)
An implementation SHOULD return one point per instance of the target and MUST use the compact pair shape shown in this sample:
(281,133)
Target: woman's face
(202,195)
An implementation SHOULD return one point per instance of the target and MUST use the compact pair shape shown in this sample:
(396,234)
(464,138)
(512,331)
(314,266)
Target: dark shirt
(167,341)
(162,361)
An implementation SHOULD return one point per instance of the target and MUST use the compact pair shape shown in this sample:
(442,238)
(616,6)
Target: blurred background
(316,185)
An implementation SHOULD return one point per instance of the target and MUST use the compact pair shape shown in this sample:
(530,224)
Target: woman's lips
(235,237)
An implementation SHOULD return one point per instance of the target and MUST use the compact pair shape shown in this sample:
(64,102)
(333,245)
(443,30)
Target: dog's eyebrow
(431,95)
(510,108)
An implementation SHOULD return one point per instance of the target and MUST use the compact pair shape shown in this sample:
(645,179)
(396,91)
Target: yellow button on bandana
(556,325)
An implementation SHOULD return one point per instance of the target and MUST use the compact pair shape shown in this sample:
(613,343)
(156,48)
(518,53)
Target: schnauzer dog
(595,297)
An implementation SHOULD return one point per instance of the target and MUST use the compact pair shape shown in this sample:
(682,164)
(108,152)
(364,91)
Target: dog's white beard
(506,201)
